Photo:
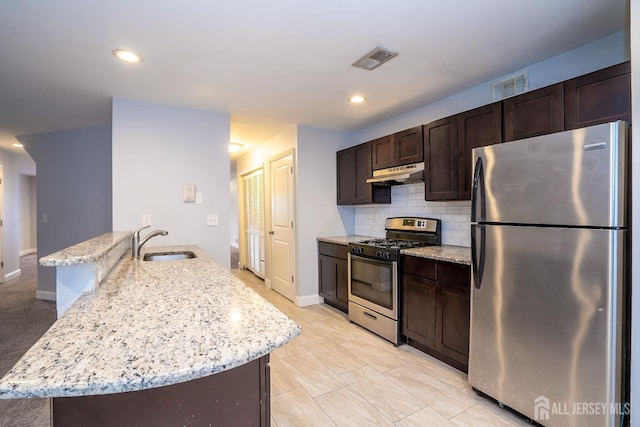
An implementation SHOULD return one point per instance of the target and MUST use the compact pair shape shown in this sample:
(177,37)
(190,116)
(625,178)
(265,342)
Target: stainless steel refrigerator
(548,275)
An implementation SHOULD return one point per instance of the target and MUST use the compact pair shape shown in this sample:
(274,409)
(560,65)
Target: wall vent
(510,86)
(374,59)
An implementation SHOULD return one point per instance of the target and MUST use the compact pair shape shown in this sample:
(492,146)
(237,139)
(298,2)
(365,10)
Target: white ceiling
(271,63)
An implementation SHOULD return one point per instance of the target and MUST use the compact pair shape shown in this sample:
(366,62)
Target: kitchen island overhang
(149,325)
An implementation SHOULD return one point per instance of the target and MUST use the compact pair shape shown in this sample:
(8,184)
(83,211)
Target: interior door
(281,232)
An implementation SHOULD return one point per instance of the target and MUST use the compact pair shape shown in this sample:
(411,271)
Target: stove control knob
(387,255)
(380,254)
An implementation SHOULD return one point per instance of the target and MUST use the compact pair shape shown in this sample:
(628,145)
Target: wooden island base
(239,396)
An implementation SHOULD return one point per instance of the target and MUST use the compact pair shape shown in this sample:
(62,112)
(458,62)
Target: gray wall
(316,211)
(74,191)
(12,166)
(157,149)
(28,215)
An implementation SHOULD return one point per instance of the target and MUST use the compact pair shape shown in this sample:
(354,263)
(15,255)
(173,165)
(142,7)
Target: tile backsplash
(408,200)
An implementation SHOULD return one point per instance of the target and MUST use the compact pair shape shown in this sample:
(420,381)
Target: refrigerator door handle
(477,254)
(477,192)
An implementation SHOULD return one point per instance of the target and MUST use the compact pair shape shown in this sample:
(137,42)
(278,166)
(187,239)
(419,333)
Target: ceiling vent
(511,86)
(374,59)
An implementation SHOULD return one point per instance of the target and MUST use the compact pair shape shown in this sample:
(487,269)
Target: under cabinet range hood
(405,174)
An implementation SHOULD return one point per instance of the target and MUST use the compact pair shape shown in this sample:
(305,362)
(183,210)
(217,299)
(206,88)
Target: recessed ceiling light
(234,147)
(17,144)
(127,55)
(357,99)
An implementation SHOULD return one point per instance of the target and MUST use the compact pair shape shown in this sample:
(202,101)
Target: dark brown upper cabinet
(353,169)
(382,152)
(401,148)
(441,159)
(599,97)
(476,128)
(534,113)
(447,150)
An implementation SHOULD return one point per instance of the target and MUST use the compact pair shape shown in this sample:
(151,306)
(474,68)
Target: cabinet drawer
(332,249)
(457,274)
(340,251)
(325,248)
(419,267)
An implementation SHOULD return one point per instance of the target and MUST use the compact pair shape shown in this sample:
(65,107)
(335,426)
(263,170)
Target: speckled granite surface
(457,254)
(88,251)
(344,240)
(151,324)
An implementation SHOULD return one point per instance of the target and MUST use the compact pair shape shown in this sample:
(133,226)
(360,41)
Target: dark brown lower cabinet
(436,307)
(333,275)
(239,396)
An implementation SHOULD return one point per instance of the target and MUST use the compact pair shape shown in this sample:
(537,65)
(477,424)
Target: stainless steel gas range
(374,294)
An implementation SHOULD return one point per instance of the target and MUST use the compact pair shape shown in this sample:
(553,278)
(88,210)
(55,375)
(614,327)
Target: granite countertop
(345,240)
(456,254)
(88,251)
(151,324)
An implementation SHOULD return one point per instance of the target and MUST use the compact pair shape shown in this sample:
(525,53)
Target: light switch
(198,198)
(146,219)
(189,193)
(212,219)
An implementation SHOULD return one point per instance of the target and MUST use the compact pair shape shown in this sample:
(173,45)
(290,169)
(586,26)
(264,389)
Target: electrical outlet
(212,219)
(146,220)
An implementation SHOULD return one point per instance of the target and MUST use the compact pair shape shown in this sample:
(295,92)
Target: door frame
(268,215)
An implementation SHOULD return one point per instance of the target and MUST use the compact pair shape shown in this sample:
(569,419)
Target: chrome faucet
(136,244)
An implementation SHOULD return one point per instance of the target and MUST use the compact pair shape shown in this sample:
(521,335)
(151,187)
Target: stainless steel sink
(168,256)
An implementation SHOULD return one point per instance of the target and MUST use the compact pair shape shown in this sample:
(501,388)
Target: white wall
(317,213)
(256,158)
(455,215)
(156,150)
(27,195)
(234,237)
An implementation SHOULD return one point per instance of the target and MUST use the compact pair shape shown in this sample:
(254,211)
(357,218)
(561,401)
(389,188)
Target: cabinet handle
(272,232)
(371,316)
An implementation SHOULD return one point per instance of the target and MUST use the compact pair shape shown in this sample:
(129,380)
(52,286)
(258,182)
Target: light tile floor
(338,374)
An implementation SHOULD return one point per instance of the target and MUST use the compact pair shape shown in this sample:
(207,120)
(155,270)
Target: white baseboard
(267,283)
(28,251)
(46,295)
(306,300)
(13,274)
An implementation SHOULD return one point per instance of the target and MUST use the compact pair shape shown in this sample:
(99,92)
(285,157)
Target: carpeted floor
(23,320)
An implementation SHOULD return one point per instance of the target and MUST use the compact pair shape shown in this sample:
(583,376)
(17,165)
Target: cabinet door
(345,161)
(382,150)
(599,97)
(453,317)
(327,277)
(353,169)
(419,310)
(408,146)
(363,192)
(441,159)
(342,285)
(476,128)
(534,113)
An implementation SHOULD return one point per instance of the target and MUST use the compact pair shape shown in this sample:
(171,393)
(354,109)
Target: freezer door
(569,178)
(546,321)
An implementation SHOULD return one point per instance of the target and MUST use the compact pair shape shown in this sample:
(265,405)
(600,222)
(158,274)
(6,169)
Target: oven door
(373,284)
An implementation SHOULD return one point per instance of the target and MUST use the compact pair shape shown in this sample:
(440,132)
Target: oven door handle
(372,260)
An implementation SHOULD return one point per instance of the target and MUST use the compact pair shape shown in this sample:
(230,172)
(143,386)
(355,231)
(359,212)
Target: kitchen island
(143,347)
